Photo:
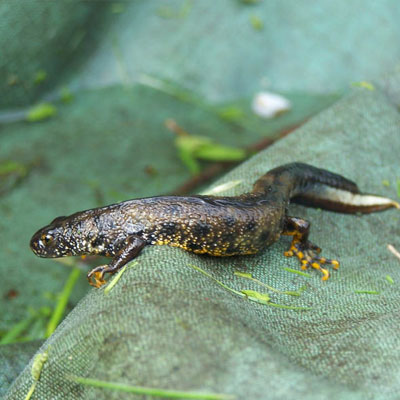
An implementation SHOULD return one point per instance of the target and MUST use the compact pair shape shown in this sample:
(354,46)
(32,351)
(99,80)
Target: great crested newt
(218,226)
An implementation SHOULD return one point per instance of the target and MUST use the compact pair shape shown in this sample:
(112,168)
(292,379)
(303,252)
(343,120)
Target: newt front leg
(303,249)
(129,250)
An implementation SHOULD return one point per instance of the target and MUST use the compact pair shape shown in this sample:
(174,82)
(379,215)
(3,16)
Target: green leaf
(8,167)
(62,301)
(256,23)
(243,274)
(231,113)
(117,277)
(398,187)
(36,370)
(216,152)
(40,76)
(364,84)
(41,112)
(288,292)
(296,271)
(389,279)
(66,95)
(226,287)
(193,147)
(12,334)
(153,392)
(190,143)
(261,297)
(189,161)
(366,292)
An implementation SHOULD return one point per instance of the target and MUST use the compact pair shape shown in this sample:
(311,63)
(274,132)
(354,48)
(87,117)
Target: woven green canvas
(125,65)
(166,325)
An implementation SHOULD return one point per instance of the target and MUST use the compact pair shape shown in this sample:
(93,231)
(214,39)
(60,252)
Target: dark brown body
(218,226)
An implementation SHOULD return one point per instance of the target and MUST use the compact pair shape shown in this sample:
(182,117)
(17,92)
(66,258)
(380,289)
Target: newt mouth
(37,245)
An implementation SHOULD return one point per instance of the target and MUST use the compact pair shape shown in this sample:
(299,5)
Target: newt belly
(218,226)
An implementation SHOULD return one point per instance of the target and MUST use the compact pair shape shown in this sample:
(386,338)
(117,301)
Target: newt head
(48,241)
(64,236)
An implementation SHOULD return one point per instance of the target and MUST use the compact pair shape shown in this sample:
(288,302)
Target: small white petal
(267,104)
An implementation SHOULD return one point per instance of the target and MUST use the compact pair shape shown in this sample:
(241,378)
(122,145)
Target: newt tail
(217,226)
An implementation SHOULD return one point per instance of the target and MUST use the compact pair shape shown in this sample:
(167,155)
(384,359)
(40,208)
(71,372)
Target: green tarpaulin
(165,324)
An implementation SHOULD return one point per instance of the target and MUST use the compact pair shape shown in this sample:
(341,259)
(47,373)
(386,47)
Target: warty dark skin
(218,226)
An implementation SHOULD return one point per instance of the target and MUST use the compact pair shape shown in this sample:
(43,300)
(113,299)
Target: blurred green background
(111,74)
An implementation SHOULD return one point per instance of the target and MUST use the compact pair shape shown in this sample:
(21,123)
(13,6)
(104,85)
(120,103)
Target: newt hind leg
(303,249)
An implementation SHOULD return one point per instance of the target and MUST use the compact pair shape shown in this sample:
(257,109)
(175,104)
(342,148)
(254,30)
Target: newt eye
(47,239)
